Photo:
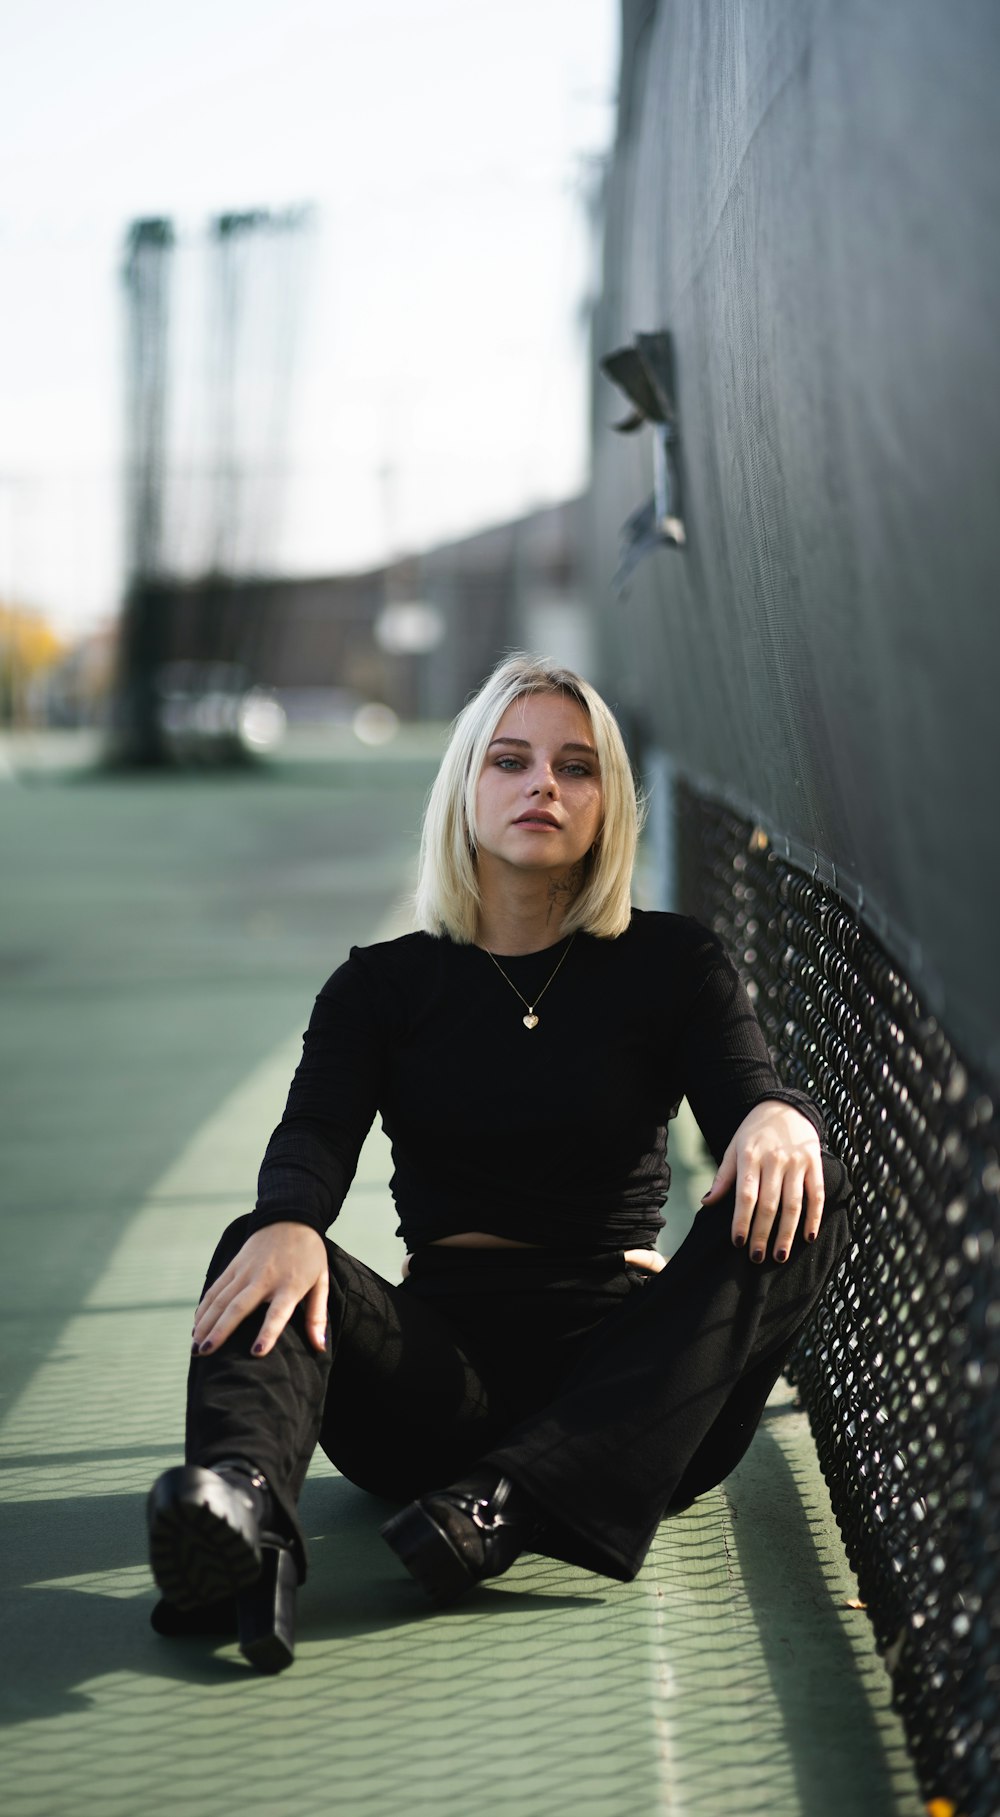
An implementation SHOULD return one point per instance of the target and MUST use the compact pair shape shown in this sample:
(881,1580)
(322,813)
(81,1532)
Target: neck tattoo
(530,1020)
(566,886)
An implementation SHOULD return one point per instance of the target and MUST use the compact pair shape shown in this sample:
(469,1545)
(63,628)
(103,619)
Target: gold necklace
(530,1020)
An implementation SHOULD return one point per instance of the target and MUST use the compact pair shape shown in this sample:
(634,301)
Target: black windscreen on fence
(805,196)
(800,300)
(898,1369)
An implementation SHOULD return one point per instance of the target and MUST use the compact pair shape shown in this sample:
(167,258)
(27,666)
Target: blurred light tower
(137,736)
(207,432)
(256,295)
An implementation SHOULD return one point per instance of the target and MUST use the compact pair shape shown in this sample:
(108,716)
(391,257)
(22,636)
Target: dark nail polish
(738,1241)
(757,1255)
(206,1347)
(257,1350)
(781,1255)
(811,1236)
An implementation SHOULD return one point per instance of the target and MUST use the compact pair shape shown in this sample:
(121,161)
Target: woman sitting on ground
(538,1380)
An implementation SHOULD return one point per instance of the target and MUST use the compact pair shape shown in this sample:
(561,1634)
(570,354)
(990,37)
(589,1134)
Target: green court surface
(160,944)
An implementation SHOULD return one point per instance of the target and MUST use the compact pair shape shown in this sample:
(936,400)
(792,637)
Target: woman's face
(539,802)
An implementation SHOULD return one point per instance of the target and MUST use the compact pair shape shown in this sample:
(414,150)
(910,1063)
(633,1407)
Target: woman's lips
(538,820)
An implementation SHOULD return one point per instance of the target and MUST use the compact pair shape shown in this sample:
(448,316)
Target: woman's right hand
(282,1266)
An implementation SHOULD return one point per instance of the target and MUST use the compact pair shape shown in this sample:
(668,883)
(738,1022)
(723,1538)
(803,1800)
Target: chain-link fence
(900,1367)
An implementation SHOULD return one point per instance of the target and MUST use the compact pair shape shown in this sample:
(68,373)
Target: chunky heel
(428,1554)
(266,1612)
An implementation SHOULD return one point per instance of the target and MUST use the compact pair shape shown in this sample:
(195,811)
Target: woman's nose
(542,782)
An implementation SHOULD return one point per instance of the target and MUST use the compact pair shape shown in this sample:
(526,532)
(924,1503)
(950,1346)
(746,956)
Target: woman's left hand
(774,1162)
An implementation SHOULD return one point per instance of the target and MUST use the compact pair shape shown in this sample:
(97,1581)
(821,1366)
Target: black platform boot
(220,1562)
(450,1539)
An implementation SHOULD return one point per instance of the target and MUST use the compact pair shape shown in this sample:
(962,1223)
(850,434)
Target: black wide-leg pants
(610,1394)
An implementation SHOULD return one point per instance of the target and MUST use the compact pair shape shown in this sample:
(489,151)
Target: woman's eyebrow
(525,744)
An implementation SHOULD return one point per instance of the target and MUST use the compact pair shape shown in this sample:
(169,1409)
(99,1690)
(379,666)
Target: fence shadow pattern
(899,1368)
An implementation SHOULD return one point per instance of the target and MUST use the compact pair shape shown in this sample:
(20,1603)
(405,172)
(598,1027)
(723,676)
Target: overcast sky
(445,145)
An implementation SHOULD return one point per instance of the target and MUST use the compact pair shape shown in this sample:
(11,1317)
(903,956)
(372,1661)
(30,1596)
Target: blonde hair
(448,898)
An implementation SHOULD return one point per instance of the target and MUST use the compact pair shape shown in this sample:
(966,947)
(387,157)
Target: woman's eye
(574,769)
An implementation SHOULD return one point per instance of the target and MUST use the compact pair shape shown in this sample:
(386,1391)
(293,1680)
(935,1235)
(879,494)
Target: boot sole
(198,1552)
(428,1554)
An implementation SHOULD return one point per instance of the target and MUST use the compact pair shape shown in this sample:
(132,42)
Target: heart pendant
(530,1021)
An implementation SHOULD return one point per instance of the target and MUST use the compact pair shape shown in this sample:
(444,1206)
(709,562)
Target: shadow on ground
(94,1618)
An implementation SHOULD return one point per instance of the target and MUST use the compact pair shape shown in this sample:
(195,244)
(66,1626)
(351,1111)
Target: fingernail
(258,1350)
(205,1347)
(811,1236)
(738,1241)
(781,1255)
(756,1255)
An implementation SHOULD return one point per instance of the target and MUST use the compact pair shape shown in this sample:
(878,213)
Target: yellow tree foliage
(28,646)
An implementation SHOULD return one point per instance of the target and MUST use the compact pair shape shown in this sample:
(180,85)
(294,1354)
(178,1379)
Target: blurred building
(418,634)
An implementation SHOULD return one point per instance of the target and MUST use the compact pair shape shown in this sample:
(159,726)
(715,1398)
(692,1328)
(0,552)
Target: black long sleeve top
(555,1135)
